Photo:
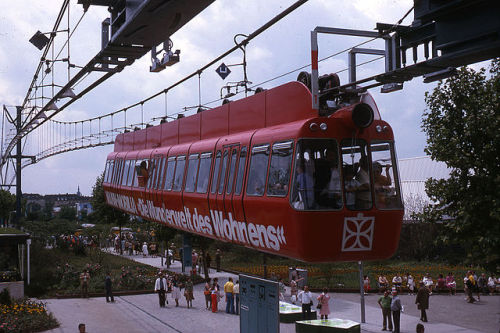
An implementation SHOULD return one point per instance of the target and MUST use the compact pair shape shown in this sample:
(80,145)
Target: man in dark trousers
(422,301)
(108,288)
(160,288)
(385,305)
(396,308)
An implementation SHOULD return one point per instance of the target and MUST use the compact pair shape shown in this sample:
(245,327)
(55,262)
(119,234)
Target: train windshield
(317,182)
(385,177)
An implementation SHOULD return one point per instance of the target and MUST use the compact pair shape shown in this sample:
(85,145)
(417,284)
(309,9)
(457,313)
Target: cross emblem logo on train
(358,233)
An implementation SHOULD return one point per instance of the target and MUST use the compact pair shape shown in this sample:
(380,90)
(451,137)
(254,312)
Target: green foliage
(34,211)
(67,213)
(5,297)
(43,230)
(103,213)
(47,210)
(461,124)
(7,204)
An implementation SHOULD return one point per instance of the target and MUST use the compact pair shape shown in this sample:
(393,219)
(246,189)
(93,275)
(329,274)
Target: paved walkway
(141,313)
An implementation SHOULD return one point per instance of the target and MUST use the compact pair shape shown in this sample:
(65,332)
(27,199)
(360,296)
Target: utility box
(259,305)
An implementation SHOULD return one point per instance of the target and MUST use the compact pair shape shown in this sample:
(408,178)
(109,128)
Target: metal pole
(18,165)
(361,291)
(28,243)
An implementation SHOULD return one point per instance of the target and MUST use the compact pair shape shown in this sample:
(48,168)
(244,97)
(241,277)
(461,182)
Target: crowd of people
(472,283)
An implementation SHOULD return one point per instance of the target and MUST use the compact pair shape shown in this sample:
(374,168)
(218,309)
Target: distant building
(81,203)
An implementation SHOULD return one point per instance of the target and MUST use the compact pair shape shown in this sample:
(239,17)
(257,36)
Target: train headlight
(313,127)
(323,126)
(362,115)
(378,128)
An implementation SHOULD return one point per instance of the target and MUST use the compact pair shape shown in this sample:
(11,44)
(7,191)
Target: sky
(282,48)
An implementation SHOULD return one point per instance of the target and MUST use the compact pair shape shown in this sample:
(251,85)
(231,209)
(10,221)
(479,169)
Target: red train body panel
(268,173)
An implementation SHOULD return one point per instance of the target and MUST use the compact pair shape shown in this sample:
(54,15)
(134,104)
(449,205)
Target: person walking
(396,308)
(228,290)
(208,294)
(215,295)
(108,288)
(188,293)
(236,293)
(305,298)
(422,301)
(410,283)
(324,308)
(385,304)
(176,291)
(84,283)
(145,250)
(160,287)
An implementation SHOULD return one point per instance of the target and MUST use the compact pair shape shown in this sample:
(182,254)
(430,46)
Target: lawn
(57,272)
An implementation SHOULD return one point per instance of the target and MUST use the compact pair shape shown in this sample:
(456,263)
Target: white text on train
(257,235)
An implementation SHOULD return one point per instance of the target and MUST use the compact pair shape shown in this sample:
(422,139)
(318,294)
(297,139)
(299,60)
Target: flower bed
(343,276)
(26,316)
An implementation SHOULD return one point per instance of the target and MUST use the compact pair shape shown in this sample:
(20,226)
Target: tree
(7,205)
(461,123)
(103,213)
(67,213)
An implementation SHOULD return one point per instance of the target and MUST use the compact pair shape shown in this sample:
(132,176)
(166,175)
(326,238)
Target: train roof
(283,104)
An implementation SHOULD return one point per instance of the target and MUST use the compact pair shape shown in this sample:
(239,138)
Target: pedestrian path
(175,266)
(141,313)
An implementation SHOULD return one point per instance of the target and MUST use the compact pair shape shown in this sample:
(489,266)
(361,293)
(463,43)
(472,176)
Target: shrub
(5,297)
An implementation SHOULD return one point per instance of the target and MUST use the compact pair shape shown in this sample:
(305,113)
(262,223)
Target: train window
(316,184)
(131,173)
(152,172)
(385,181)
(126,166)
(215,177)
(106,172)
(115,171)
(110,172)
(155,173)
(135,179)
(118,173)
(231,175)
(279,170)
(204,173)
(169,174)
(192,170)
(179,173)
(222,177)
(258,170)
(159,179)
(241,171)
(357,185)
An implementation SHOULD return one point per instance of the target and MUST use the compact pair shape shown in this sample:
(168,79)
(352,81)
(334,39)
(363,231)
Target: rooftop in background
(414,172)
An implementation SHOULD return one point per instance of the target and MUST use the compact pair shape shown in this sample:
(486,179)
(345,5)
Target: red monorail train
(269,173)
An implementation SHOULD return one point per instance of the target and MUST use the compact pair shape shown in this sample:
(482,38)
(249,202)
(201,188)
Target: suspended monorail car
(270,173)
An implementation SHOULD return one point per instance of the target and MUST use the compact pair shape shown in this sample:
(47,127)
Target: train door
(214,186)
(155,173)
(233,204)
